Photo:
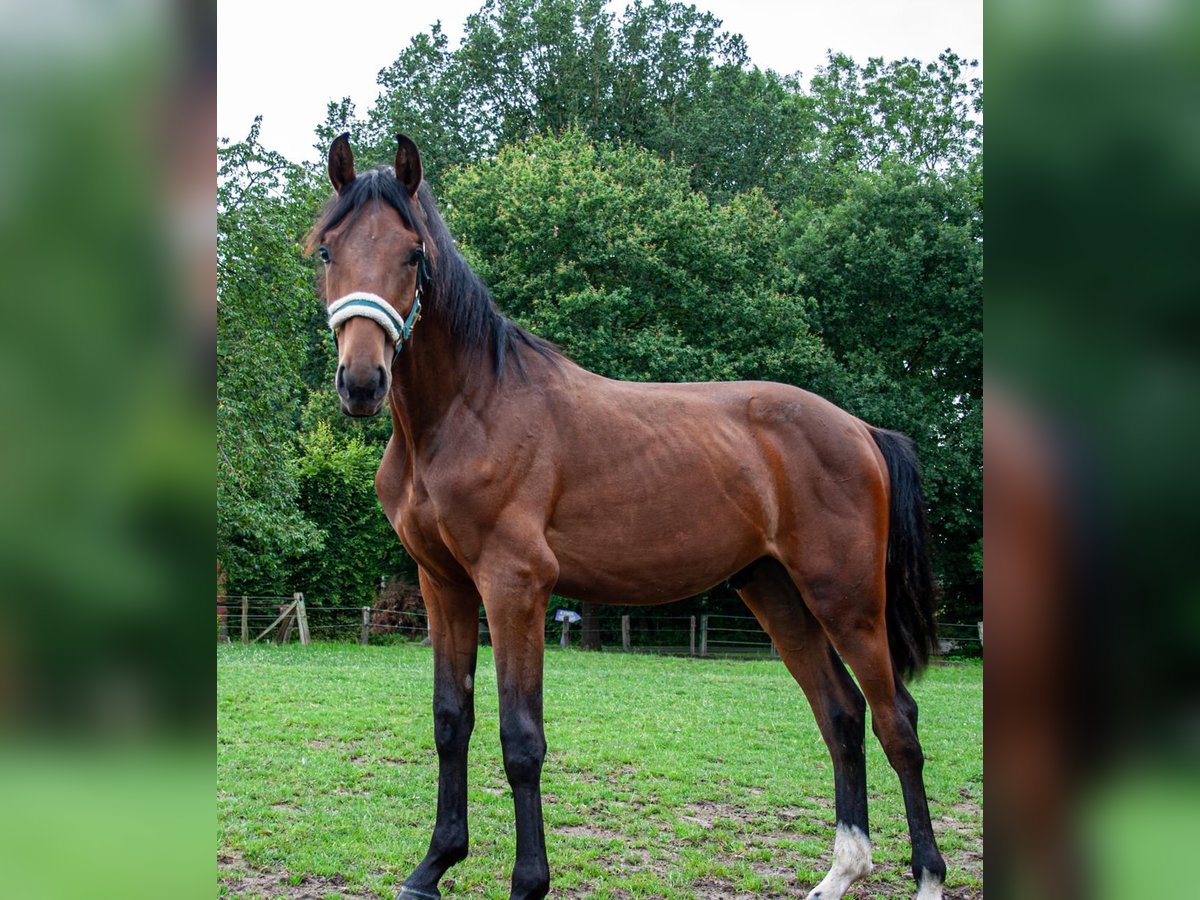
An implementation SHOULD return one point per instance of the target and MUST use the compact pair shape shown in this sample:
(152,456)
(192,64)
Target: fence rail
(707,635)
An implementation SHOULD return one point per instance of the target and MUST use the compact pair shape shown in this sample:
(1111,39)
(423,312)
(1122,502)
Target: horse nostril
(383,378)
(339,382)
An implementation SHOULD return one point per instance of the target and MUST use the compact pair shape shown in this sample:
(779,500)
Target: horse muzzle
(362,389)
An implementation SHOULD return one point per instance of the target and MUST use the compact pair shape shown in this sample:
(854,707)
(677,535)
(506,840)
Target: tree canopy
(634,189)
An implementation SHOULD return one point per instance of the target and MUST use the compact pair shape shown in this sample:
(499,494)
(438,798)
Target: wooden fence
(704,635)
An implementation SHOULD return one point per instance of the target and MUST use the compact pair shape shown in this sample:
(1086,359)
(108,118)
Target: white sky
(285,60)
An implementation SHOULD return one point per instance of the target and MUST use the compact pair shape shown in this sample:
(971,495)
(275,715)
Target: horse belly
(655,549)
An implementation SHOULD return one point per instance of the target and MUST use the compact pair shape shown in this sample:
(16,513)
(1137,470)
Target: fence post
(704,635)
(981,635)
(302,618)
(625,642)
(245,625)
(566,634)
(692,637)
(366,625)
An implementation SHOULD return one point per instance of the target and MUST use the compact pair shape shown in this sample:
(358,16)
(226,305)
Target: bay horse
(512,472)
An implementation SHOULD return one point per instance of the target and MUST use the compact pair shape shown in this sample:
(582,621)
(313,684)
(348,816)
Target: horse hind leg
(838,706)
(853,618)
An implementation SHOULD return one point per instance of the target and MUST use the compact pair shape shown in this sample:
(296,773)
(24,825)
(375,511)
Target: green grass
(665,777)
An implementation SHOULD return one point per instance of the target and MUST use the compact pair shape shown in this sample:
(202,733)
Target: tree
(666,77)
(926,114)
(530,66)
(748,129)
(610,253)
(337,494)
(424,95)
(263,288)
(664,58)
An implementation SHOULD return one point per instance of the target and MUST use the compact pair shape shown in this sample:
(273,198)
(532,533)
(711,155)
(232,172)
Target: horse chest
(426,535)
(419,524)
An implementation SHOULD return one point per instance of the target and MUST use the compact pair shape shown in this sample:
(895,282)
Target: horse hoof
(410,893)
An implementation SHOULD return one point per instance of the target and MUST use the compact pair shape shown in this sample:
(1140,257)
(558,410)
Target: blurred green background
(1092,310)
(107,232)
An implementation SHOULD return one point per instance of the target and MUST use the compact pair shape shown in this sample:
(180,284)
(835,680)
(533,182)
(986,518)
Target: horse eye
(415,258)
(324,251)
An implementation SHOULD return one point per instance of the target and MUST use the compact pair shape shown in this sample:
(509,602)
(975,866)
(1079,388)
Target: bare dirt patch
(241,880)
(589,831)
(720,889)
(706,813)
(966,825)
(887,881)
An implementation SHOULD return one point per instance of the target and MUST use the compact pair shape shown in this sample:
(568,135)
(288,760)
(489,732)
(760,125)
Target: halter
(366,305)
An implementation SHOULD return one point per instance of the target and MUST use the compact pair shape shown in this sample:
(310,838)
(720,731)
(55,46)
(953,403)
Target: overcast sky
(286,60)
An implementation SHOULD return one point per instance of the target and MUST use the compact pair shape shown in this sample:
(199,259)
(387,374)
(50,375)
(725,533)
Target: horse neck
(432,374)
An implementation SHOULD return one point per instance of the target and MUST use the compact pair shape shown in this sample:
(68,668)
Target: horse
(512,473)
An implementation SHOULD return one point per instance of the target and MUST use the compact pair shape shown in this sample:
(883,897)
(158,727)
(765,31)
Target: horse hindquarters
(872,598)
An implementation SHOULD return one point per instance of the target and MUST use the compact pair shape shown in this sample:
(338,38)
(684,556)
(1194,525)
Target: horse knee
(452,729)
(524,748)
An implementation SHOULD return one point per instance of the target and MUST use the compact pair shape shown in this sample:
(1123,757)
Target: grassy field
(671,778)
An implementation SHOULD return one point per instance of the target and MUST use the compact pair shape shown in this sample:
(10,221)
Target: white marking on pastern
(930,887)
(851,862)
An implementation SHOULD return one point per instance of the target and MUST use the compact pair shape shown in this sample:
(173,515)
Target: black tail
(911,597)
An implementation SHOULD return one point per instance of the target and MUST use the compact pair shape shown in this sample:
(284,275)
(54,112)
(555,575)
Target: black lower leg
(841,713)
(524,745)
(909,762)
(454,719)
(845,729)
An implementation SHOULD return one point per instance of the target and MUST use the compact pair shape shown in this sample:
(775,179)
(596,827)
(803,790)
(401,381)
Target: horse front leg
(454,630)
(516,612)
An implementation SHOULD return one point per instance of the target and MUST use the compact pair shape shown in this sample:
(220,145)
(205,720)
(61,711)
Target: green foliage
(609,253)
(337,494)
(528,66)
(924,114)
(264,288)
(665,76)
(748,129)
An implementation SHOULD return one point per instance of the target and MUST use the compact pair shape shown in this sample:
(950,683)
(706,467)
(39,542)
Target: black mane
(455,295)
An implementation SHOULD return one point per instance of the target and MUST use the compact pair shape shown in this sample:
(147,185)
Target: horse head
(371,242)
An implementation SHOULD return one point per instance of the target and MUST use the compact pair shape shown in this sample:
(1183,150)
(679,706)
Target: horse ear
(341,162)
(408,163)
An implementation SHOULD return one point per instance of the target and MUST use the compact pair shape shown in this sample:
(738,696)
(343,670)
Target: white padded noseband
(368,306)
